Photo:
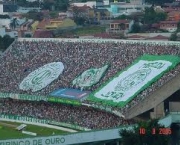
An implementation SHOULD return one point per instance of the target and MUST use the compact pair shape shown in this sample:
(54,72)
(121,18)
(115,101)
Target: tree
(150,16)
(178,27)
(36,16)
(5,42)
(136,28)
(59,5)
(4,17)
(28,35)
(62,5)
(173,36)
(14,23)
(146,133)
(79,16)
(159,2)
(53,14)
(122,26)
(122,17)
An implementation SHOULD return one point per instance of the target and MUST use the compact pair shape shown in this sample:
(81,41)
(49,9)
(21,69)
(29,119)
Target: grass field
(8,131)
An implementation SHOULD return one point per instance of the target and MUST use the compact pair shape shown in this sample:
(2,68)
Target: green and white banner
(42,77)
(129,83)
(89,77)
(23,97)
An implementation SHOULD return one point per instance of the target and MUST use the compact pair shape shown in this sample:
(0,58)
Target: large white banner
(130,81)
(136,78)
(42,77)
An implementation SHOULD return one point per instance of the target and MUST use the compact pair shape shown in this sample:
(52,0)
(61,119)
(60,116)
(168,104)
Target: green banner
(127,84)
(64,101)
(23,97)
(39,98)
(90,77)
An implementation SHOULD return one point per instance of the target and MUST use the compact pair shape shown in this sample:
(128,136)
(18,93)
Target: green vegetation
(54,14)
(58,5)
(174,36)
(122,17)
(36,16)
(5,42)
(4,16)
(159,2)
(90,30)
(14,23)
(7,132)
(25,3)
(147,133)
(150,16)
(136,28)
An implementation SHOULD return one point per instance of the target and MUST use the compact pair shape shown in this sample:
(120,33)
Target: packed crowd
(25,56)
(81,116)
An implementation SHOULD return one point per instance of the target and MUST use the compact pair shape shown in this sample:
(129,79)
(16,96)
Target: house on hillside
(170,26)
(11,33)
(117,9)
(65,23)
(99,14)
(120,26)
(6,7)
(173,16)
(55,23)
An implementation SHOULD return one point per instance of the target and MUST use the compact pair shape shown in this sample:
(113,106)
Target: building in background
(170,26)
(6,7)
(124,8)
(120,26)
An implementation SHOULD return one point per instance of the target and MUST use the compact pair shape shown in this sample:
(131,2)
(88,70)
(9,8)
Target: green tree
(62,5)
(54,14)
(136,28)
(173,36)
(59,5)
(150,16)
(159,2)
(79,20)
(36,16)
(178,27)
(4,16)
(122,17)
(25,3)
(28,35)
(5,42)
(146,133)
(14,23)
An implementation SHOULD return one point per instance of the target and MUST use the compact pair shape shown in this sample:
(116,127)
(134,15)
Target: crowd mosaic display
(25,56)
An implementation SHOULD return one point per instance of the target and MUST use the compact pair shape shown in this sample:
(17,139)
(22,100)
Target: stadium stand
(24,56)
(82,116)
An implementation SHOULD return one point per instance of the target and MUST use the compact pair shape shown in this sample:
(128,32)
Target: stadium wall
(174,106)
(161,43)
(155,98)
(74,138)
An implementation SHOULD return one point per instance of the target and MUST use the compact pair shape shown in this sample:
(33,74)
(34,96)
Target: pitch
(8,131)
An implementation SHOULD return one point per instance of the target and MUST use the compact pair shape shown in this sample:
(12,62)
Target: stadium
(93,87)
